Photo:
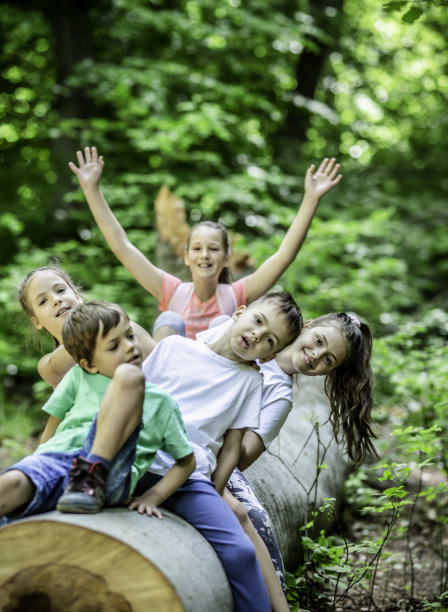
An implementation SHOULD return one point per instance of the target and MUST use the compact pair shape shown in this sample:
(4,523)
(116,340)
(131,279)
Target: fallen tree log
(120,561)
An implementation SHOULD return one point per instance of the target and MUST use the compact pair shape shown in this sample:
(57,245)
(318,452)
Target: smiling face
(119,345)
(259,332)
(50,299)
(206,255)
(318,350)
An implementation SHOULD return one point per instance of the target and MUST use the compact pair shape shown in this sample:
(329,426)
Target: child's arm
(252,447)
(89,174)
(228,457)
(156,495)
(317,184)
(50,429)
(55,365)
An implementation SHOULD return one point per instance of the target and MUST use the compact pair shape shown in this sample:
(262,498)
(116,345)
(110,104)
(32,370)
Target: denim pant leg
(200,505)
(240,489)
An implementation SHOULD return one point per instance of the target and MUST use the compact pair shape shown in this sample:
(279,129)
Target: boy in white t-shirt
(219,397)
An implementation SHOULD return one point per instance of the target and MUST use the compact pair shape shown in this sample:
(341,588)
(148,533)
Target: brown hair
(350,386)
(224,277)
(287,307)
(83,324)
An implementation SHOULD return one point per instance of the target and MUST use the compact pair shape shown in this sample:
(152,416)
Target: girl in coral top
(206,253)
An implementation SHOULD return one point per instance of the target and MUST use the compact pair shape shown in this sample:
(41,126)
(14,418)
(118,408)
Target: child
(219,396)
(100,452)
(47,295)
(206,252)
(336,345)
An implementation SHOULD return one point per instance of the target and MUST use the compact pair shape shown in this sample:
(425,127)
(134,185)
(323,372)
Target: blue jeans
(49,473)
(198,502)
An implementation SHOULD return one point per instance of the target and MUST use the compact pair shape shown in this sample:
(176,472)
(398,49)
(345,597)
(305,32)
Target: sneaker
(86,489)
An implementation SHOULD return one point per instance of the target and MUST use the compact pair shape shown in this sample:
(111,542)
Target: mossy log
(119,561)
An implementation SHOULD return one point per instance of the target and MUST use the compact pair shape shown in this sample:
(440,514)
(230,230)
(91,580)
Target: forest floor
(413,570)
(412,576)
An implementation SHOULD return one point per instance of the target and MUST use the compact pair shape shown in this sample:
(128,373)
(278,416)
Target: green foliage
(210,99)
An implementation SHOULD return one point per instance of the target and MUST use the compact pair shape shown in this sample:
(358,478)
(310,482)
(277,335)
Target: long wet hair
(350,386)
(224,277)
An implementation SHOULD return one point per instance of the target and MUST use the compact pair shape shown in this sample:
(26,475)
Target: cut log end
(60,567)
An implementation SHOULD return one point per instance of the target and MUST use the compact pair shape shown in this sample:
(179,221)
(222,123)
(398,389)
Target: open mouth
(62,311)
(307,361)
(245,342)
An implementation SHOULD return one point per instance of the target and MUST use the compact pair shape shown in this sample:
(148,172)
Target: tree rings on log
(70,568)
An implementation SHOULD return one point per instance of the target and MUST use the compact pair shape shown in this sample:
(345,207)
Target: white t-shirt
(214,394)
(276,401)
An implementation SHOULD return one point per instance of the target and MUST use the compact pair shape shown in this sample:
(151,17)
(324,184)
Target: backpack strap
(181,297)
(183,293)
(226,299)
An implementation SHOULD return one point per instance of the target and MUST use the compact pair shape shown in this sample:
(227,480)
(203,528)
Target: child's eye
(318,340)
(270,341)
(42,301)
(257,319)
(61,290)
(113,347)
(328,360)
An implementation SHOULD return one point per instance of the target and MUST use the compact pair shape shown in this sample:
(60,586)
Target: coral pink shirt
(196,314)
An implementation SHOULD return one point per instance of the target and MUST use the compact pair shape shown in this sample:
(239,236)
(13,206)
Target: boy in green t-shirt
(100,448)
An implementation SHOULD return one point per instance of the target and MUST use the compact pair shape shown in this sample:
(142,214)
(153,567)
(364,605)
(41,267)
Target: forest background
(228,103)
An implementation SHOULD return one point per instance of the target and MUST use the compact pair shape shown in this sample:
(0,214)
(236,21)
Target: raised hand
(319,182)
(90,168)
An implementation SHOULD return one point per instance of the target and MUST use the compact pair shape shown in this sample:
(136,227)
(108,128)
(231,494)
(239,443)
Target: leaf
(412,14)
(391,7)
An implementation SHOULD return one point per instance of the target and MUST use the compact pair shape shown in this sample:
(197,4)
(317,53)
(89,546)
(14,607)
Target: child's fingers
(80,158)
(310,171)
(157,513)
(323,165)
(330,166)
(94,155)
(73,168)
(334,171)
(87,155)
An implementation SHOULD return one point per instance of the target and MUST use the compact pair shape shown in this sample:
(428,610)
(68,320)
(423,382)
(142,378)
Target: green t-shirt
(76,401)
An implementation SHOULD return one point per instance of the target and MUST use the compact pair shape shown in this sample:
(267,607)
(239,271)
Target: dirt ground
(414,573)
(408,579)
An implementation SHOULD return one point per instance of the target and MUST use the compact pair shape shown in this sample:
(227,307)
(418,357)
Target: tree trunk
(120,561)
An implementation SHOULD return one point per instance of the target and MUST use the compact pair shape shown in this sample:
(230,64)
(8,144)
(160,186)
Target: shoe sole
(76,504)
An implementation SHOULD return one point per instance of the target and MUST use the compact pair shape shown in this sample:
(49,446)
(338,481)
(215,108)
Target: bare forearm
(173,479)
(227,462)
(50,429)
(107,222)
(251,448)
